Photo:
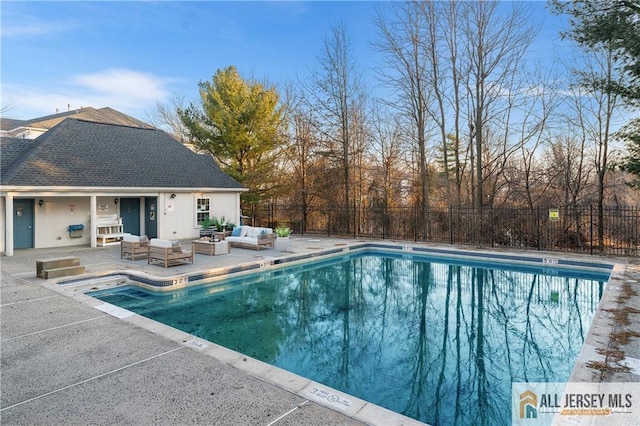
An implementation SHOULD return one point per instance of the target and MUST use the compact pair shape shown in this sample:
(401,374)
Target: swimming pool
(437,340)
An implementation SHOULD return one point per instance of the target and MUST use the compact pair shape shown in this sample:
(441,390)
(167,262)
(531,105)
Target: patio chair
(168,253)
(134,247)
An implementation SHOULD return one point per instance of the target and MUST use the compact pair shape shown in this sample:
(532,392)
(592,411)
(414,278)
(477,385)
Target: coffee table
(211,248)
(221,235)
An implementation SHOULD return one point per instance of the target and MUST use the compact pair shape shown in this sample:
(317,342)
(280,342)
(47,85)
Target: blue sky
(130,55)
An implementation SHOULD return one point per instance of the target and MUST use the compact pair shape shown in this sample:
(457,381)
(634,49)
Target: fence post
(591,229)
(492,229)
(385,222)
(450,224)
(270,214)
(538,227)
(356,221)
(415,223)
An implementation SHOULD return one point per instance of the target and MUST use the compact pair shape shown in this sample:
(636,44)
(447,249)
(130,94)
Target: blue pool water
(439,342)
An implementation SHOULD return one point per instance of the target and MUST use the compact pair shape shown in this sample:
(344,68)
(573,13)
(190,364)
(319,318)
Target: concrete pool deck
(64,361)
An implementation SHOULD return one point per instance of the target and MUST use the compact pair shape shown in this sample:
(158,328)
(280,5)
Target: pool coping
(598,336)
(177,281)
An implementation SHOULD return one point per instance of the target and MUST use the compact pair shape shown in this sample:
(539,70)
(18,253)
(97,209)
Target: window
(203,209)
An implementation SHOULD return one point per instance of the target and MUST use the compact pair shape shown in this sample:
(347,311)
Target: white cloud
(16,24)
(129,91)
(127,85)
(34,29)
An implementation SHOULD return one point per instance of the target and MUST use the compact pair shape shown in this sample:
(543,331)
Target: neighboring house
(31,129)
(80,172)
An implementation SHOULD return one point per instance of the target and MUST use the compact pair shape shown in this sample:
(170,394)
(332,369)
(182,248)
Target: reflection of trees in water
(507,329)
(419,372)
(454,336)
(442,377)
(345,308)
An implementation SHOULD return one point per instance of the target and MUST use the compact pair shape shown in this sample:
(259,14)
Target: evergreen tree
(238,123)
(632,161)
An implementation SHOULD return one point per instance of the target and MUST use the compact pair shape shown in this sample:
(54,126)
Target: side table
(211,248)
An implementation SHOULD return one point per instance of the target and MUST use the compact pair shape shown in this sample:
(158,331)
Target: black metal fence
(541,228)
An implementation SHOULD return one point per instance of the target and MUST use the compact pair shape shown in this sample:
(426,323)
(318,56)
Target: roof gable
(79,153)
(10,123)
(103,115)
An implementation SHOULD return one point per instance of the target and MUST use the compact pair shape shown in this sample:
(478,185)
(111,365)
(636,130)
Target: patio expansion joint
(297,407)
(99,376)
(53,328)
(37,299)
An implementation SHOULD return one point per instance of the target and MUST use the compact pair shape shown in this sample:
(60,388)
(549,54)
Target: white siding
(176,218)
(55,215)
(178,215)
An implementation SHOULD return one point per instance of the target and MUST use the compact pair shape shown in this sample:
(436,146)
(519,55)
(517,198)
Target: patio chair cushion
(157,242)
(128,238)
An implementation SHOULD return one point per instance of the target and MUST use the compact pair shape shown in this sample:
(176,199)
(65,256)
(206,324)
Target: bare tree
(453,15)
(165,116)
(495,42)
(531,104)
(301,156)
(404,71)
(7,106)
(601,105)
(386,163)
(567,165)
(569,151)
(431,46)
(337,94)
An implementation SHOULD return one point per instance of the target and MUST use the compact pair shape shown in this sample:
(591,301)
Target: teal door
(130,214)
(151,217)
(23,224)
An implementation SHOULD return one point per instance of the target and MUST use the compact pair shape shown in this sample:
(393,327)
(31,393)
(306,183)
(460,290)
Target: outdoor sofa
(252,237)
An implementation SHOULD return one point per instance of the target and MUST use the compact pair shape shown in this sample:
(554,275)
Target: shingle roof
(78,153)
(11,152)
(102,115)
(10,123)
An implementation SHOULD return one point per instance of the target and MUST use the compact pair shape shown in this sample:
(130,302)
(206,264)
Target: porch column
(94,220)
(8,232)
